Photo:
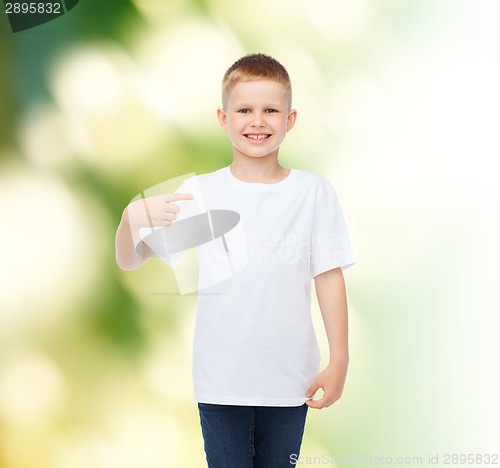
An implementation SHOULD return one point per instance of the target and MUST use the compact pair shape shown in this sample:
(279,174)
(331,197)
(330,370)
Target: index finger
(178,196)
(323,402)
(316,404)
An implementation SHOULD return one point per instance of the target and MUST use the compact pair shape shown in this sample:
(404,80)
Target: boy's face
(257,116)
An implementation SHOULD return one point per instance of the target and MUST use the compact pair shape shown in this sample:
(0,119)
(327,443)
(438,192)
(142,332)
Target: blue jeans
(251,436)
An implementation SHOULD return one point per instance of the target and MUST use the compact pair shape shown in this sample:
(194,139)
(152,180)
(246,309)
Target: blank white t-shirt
(254,342)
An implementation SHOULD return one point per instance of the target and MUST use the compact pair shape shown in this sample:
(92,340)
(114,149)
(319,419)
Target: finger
(314,404)
(169,216)
(171,197)
(313,389)
(318,404)
(172,208)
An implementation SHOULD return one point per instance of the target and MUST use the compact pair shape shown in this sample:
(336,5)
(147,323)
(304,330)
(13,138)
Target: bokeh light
(110,117)
(19,403)
(46,240)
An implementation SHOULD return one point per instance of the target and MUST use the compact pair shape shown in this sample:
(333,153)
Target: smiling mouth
(257,137)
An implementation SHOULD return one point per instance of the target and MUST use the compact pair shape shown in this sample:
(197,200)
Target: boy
(255,354)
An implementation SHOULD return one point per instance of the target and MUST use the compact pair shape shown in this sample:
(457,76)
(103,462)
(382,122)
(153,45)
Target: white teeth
(257,137)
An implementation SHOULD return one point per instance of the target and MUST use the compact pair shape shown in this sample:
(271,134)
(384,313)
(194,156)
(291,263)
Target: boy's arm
(330,289)
(127,258)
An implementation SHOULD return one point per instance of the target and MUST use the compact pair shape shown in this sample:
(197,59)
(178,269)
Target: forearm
(127,258)
(330,289)
(331,293)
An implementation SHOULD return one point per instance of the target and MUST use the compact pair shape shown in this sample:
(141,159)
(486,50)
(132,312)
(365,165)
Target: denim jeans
(251,436)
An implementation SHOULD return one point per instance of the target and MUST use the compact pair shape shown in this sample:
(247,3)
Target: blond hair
(254,67)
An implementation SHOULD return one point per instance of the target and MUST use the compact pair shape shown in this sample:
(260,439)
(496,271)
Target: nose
(258,120)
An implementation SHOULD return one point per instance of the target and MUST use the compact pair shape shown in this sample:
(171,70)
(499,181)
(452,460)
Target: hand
(331,380)
(157,211)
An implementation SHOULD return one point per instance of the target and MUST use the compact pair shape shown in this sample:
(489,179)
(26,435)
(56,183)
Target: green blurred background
(398,106)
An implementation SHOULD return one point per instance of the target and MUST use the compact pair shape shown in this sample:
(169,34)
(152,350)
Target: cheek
(284,126)
(238,124)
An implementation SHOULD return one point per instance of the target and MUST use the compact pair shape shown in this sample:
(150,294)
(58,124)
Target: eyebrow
(246,104)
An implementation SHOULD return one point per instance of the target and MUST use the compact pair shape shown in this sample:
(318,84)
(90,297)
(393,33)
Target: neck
(258,170)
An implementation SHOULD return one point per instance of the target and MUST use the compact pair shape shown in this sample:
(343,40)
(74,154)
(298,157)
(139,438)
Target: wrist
(339,359)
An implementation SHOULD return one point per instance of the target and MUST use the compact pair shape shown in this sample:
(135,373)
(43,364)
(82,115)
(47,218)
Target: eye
(244,111)
(270,111)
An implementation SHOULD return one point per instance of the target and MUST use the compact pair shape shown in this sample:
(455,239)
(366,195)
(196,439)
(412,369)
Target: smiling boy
(255,353)
(257,116)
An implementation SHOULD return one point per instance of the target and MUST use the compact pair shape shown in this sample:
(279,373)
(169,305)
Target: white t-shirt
(254,342)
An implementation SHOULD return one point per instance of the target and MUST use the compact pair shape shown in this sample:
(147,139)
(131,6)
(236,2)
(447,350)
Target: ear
(290,121)
(222,118)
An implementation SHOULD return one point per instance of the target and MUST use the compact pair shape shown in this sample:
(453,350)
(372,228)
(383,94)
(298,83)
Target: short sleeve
(330,243)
